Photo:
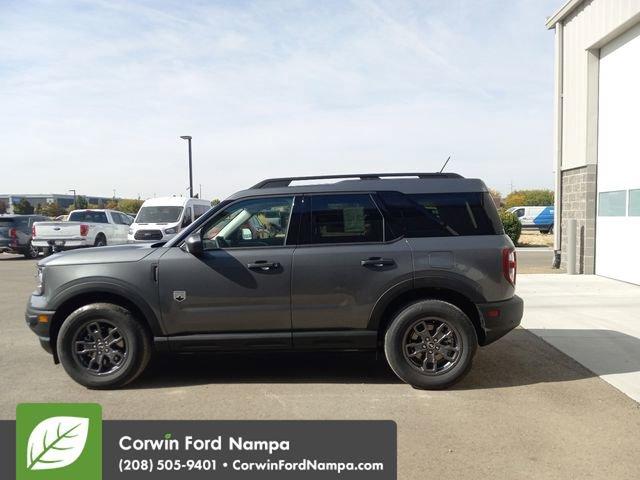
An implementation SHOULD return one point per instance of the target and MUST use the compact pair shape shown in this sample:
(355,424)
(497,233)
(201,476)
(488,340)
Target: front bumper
(499,318)
(34,318)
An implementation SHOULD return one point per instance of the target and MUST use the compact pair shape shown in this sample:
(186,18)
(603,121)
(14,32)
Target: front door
(242,281)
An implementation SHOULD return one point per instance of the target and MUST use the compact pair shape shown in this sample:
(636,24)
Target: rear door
(344,264)
(242,281)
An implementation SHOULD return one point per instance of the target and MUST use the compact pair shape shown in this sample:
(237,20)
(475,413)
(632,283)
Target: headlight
(171,230)
(39,281)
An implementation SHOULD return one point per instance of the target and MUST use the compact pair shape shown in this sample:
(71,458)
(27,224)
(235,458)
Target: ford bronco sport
(415,264)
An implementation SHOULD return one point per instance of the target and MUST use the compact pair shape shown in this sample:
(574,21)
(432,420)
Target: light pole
(188,139)
(74,197)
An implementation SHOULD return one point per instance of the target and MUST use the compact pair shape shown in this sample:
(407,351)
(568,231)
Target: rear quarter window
(441,214)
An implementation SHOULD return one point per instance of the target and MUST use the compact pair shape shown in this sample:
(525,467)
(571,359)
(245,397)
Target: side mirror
(246,234)
(194,244)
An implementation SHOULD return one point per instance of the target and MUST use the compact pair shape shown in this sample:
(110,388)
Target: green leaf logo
(56,442)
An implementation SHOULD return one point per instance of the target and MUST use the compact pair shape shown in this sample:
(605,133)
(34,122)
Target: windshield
(159,214)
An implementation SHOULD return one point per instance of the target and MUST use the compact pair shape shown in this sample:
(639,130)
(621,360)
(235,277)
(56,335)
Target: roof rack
(286,181)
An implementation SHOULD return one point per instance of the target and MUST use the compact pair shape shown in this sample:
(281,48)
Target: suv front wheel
(430,344)
(102,345)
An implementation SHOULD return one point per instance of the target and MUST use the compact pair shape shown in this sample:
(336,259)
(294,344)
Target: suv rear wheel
(103,346)
(430,344)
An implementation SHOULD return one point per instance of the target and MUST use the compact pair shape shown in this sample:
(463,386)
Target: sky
(95,94)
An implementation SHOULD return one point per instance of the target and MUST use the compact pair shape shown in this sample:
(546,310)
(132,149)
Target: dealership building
(597,135)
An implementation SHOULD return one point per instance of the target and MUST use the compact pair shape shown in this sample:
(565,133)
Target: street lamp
(188,139)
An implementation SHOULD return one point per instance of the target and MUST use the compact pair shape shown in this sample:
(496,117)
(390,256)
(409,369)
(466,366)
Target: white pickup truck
(84,228)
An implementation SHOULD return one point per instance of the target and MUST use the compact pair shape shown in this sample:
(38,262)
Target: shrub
(512,226)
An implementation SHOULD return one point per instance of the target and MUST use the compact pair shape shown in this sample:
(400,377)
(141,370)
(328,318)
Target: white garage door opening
(618,202)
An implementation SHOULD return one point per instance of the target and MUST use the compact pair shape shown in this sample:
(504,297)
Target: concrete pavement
(594,320)
(535,260)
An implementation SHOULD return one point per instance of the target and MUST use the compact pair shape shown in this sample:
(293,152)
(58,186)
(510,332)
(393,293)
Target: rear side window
(350,218)
(199,210)
(88,216)
(441,214)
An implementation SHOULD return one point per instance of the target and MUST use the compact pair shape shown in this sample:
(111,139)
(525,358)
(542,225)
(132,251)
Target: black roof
(367,182)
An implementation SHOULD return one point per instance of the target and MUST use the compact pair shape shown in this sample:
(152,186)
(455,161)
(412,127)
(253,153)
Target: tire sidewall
(30,253)
(394,343)
(128,328)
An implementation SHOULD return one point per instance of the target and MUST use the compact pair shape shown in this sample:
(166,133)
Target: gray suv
(415,264)
(16,234)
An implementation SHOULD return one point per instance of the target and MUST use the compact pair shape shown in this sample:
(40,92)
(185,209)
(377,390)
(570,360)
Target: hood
(114,254)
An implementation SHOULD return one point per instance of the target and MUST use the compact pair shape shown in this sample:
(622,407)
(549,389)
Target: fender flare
(436,280)
(121,289)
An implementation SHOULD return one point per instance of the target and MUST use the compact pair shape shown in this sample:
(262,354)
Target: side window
(120,218)
(519,212)
(186,219)
(199,210)
(441,214)
(260,222)
(345,218)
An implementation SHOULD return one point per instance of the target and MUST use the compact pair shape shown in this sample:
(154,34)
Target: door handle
(377,262)
(263,265)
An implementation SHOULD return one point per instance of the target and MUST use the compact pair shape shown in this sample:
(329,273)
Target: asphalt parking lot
(525,410)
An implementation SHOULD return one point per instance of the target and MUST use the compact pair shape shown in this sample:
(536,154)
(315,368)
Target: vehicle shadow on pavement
(520,358)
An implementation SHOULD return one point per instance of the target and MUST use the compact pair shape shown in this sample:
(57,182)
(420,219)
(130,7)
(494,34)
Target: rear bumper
(499,318)
(61,243)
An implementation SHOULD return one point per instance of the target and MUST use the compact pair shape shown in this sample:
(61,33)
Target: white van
(540,217)
(160,219)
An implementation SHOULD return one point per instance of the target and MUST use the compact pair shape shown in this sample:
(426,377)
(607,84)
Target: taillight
(509,265)
(84,230)
(13,233)
(33,231)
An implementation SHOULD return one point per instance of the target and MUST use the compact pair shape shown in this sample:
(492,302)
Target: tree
(23,207)
(80,203)
(129,205)
(522,198)
(112,204)
(51,209)
(215,202)
(3,207)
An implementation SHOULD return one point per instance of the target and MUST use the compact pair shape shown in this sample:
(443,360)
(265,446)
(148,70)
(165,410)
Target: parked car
(84,228)
(538,217)
(15,234)
(417,267)
(160,219)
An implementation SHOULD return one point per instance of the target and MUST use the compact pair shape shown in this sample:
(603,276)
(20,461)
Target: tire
(31,252)
(100,241)
(131,344)
(405,338)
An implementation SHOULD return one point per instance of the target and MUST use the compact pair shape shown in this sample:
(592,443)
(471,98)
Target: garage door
(618,202)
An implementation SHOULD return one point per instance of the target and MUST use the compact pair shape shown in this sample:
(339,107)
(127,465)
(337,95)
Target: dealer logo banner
(58,441)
